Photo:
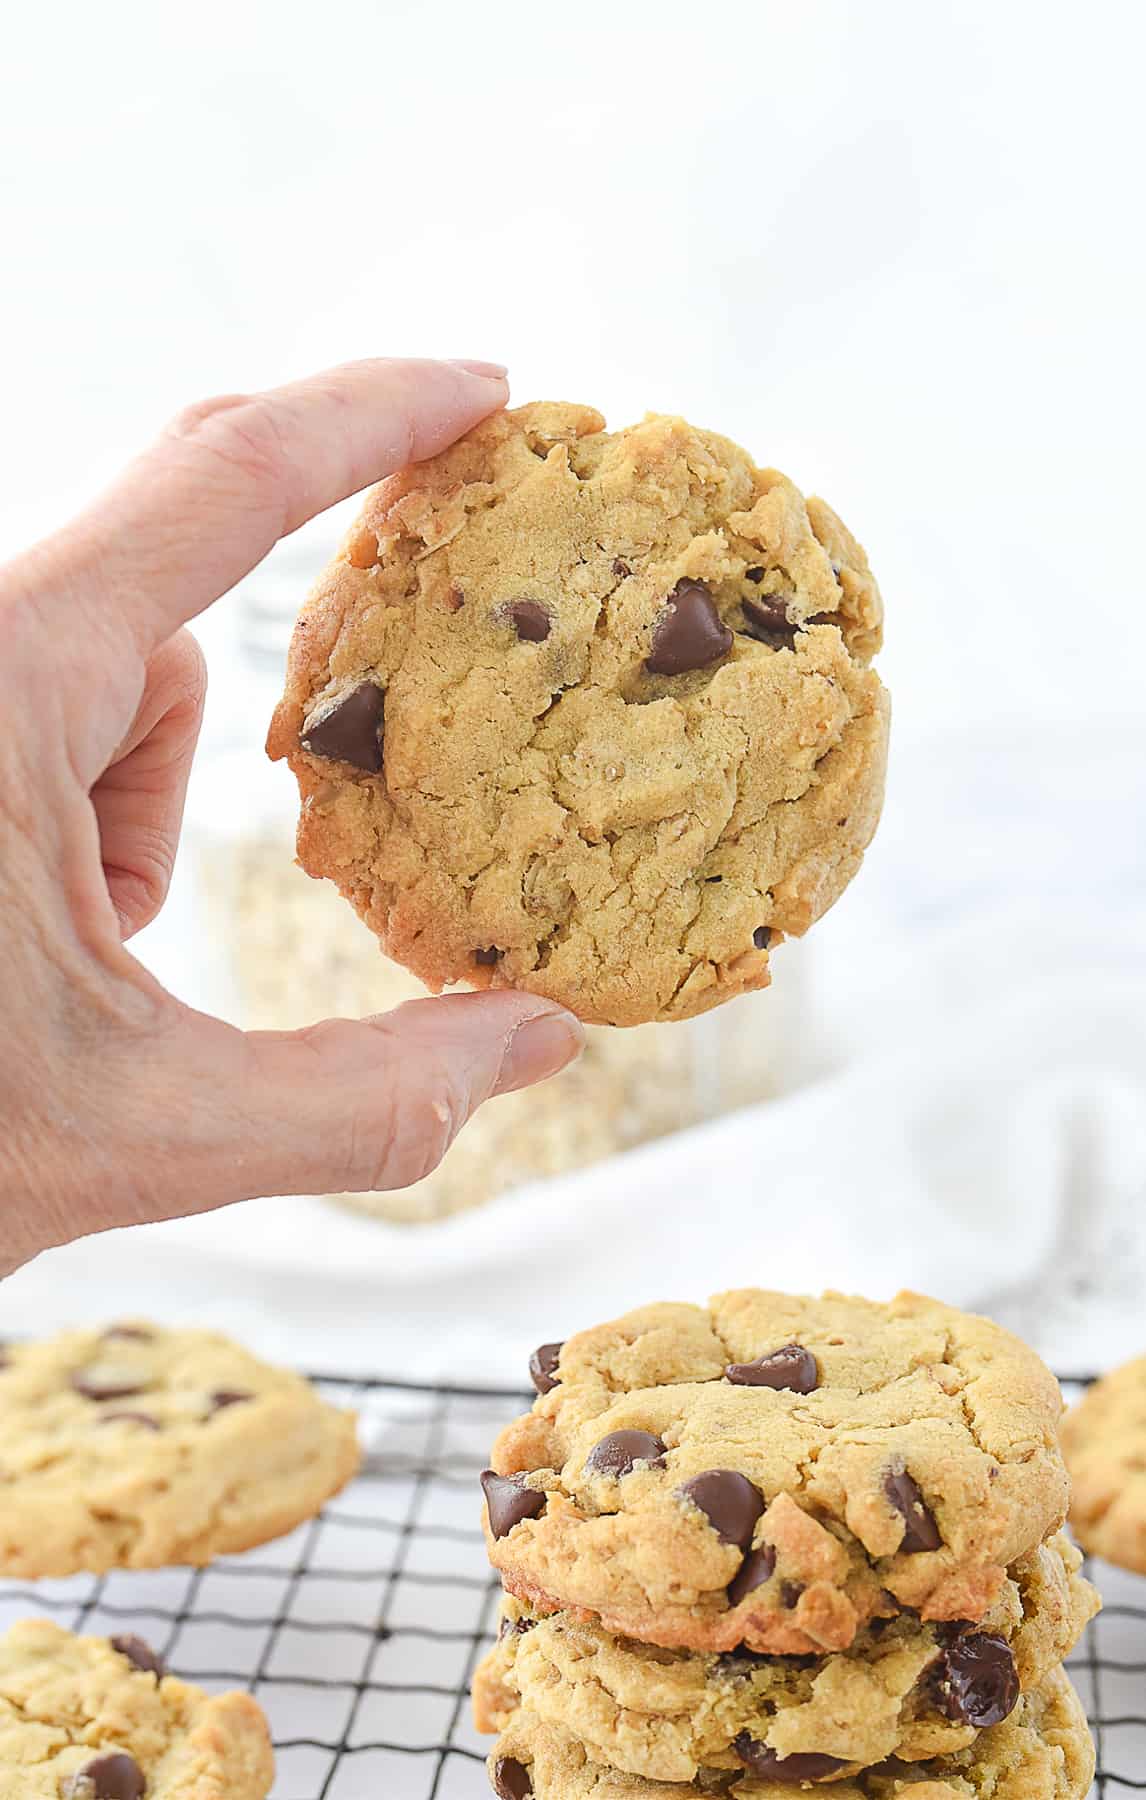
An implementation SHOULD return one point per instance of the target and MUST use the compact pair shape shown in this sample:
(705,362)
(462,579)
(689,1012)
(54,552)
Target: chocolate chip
(509,1501)
(350,730)
(114,1777)
(768,615)
(790,1592)
(761,937)
(689,633)
(921,1531)
(109,1384)
(728,1501)
(806,1765)
(542,1364)
(789,1367)
(510,1779)
(975,1680)
(140,1654)
(752,1573)
(620,1452)
(488,957)
(224,1397)
(514,1628)
(756,574)
(129,1418)
(621,568)
(139,1333)
(530,620)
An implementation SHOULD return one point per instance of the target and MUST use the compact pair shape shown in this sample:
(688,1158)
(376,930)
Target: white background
(896,249)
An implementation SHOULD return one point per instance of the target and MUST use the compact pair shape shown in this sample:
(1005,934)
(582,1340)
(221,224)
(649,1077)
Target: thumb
(359,1104)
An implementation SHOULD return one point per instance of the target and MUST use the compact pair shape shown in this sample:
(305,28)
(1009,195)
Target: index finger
(230,476)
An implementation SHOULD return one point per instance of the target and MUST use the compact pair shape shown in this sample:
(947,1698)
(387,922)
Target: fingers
(346,1105)
(230,476)
(138,801)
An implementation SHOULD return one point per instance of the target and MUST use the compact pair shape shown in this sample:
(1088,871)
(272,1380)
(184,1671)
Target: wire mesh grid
(358,1633)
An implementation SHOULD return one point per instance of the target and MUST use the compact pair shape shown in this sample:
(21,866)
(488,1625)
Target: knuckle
(239,430)
(410,1127)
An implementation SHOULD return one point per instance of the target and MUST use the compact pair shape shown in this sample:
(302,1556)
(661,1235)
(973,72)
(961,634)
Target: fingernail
(538,1049)
(492,371)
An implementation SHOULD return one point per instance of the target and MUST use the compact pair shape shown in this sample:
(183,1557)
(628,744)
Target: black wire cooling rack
(359,1633)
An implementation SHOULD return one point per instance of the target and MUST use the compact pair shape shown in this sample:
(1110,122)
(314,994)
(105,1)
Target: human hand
(118,1104)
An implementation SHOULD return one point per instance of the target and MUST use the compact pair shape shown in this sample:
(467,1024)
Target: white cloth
(969,1119)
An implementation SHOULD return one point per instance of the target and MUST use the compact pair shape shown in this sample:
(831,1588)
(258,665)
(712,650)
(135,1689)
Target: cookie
(135,1447)
(87,1718)
(904,1689)
(589,714)
(775,1471)
(1104,1441)
(1042,1752)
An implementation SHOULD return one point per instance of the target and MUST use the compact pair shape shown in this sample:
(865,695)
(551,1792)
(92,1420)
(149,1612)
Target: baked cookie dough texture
(137,1447)
(87,1718)
(589,714)
(1104,1439)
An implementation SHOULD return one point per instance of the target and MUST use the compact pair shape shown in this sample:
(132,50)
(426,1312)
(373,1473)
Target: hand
(117,1103)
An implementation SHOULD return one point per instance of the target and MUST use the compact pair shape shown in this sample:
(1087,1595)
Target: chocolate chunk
(139,1333)
(789,1367)
(224,1397)
(514,1628)
(806,1765)
(689,633)
(511,1779)
(129,1418)
(509,1501)
(350,730)
(620,1452)
(140,1654)
(488,957)
(767,614)
(761,937)
(728,1501)
(542,1364)
(106,1384)
(756,574)
(530,620)
(752,1573)
(621,568)
(790,1592)
(975,1680)
(114,1777)
(921,1531)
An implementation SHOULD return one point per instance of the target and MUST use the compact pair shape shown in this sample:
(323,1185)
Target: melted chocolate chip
(140,1655)
(920,1529)
(542,1367)
(350,730)
(756,574)
(806,1765)
(514,1627)
(114,1777)
(975,1681)
(621,568)
(790,1592)
(620,1452)
(109,1384)
(767,614)
(689,634)
(752,1573)
(510,1779)
(530,620)
(728,1501)
(789,1367)
(130,1418)
(224,1397)
(509,1501)
(487,957)
(761,937)
(139,1333)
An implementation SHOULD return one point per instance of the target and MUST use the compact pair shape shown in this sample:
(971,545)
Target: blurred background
(895,250)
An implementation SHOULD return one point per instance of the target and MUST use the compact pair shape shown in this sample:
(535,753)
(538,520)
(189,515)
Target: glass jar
(284,950)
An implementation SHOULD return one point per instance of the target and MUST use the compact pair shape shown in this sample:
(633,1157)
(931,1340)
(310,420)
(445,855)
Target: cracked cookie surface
(776,1471)
(1104,1441)
(136,1447)
(1042,1752)
(904,1688)
(86,1718)
(589,714)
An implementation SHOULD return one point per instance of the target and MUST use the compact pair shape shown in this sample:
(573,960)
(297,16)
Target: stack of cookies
(777,1542)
